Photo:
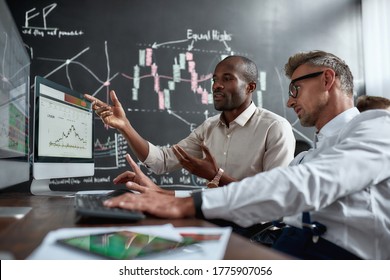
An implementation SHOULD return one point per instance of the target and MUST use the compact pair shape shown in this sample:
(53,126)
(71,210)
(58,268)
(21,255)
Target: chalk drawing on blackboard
(103,83)
(185,62)
(110,153)
(35,24)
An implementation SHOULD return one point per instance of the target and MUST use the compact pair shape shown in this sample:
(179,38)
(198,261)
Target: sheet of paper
(212,246)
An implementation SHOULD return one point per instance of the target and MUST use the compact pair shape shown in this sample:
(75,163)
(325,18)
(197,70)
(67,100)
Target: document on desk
(212,242)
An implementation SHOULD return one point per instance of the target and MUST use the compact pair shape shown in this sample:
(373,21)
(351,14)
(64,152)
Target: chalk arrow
(227,47)
(191,46)
(155,45)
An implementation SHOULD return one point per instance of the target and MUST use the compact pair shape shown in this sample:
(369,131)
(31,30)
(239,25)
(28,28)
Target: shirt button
(224,153)
(228,136)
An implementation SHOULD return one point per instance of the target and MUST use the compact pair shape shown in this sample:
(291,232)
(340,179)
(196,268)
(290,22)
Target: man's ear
(251,87)
(330,78)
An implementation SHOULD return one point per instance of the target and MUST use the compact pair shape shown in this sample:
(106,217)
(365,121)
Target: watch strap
(215,182)
(197,198)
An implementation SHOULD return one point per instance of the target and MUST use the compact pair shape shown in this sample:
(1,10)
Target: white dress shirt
(257,140)
(344,183)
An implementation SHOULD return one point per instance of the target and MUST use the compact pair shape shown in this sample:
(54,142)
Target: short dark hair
(251,73)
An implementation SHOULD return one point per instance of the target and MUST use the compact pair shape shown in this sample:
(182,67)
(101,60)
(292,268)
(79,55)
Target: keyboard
(91,205)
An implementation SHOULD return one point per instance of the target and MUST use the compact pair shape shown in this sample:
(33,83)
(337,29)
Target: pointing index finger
(132,163)
(94,100)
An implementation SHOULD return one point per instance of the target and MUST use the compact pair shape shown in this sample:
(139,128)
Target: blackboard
(159,56)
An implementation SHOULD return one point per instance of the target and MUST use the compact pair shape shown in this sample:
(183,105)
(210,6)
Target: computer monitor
(63,136)
(14,103)
(14,110)
(14,150)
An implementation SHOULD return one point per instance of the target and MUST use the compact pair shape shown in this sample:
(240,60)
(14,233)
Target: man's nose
(217,86)
(290,102)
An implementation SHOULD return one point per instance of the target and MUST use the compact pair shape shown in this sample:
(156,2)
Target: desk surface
(20,237)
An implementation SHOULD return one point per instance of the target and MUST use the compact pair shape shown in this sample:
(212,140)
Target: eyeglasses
(293,89)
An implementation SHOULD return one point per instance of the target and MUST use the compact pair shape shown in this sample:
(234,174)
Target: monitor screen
(14,103)
(63,135)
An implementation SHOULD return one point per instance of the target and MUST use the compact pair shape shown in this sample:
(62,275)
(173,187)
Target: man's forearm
(226,179)
(137,144)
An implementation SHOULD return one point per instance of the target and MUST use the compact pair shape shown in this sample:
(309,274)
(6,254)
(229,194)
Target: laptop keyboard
(91,205)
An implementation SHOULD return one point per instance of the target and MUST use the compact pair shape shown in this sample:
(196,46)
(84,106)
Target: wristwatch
(215,182)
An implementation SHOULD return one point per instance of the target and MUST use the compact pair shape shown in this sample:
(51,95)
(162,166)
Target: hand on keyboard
(91,205)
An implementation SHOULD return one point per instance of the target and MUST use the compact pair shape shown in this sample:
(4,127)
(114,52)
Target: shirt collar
(337,123)
(243,118)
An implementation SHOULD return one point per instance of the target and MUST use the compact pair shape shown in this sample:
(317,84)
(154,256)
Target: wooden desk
(21,237)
